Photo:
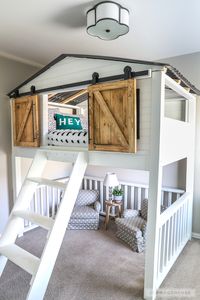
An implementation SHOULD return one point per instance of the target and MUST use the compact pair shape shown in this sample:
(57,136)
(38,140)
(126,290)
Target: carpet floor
(95,265)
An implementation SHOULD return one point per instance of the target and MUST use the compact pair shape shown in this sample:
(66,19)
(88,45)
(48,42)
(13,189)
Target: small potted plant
(118,194)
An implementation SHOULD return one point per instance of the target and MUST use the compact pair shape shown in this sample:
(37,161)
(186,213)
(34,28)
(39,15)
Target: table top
(113,203)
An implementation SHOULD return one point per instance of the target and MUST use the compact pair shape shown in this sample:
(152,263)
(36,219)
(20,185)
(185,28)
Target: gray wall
(11,74)
(189,66)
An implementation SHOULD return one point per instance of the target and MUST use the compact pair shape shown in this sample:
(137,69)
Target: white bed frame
(162,141)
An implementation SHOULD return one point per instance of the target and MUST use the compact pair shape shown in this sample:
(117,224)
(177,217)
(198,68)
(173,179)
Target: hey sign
(67,122)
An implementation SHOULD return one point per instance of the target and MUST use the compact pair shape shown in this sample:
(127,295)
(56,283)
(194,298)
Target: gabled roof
(170,70)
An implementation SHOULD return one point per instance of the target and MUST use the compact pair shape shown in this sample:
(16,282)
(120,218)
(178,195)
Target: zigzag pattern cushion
(73,138)
(86,197)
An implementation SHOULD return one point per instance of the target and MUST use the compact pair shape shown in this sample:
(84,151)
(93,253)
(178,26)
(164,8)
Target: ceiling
(38,31)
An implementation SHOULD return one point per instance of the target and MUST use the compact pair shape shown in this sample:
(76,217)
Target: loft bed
(123,132)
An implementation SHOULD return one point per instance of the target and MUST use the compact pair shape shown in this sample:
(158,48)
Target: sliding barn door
(112,116)
(25,114)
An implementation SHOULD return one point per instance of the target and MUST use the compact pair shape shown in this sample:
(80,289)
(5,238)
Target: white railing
(133,192)
(174,232)
(47,199)
(45,202)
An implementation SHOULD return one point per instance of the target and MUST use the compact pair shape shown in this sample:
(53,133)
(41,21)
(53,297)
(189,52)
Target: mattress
(73,138)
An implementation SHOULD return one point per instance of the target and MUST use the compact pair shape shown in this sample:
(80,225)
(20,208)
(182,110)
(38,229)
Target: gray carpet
(95,265)
(90,265)
(183,280)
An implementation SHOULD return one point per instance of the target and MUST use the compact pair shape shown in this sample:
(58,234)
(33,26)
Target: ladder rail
(15,224)
(51,250)
(41,269)
(3,261)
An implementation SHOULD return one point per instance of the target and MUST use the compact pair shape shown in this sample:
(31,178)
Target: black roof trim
(171,70)
(63,56)
(45,68)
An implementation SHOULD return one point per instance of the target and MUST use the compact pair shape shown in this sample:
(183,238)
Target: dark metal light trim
(120,7)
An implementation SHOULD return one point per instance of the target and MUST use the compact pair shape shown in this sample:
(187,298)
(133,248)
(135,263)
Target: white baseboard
(196,235)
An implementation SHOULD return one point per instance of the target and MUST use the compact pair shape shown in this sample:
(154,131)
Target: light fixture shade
(111,180)
(108,20)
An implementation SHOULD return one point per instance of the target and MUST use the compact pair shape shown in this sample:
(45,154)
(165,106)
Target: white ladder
(41,268)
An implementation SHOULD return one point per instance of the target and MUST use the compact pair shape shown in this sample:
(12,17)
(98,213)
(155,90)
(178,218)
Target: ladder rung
(44,181)
(21,258)
(42,221)
(61,153)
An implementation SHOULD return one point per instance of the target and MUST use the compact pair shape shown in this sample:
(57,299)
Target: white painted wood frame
(172,140)
(156,152)
(155,182)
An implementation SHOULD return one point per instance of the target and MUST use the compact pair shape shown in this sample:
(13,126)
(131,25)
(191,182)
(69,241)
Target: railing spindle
(125,196)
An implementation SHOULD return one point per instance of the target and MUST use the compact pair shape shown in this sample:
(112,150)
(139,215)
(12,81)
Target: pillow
(87,197)
(144,209)
(68,122)
(51,120)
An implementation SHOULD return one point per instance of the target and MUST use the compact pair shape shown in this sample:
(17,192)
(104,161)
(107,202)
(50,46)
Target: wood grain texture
(109,116)
(91,122)
(26,129)
(25,118)
(112,116)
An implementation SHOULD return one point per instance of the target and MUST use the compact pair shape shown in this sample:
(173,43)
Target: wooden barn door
(25,112)
(112,116)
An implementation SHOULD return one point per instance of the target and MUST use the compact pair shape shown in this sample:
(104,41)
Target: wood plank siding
(112,116)
(26,131)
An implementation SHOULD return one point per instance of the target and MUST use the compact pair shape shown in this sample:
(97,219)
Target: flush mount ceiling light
(107,20)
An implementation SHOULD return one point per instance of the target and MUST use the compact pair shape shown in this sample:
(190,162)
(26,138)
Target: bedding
(68,138)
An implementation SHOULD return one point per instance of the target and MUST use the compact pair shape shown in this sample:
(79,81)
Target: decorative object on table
(107,20)
(118,194)
(110,181)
